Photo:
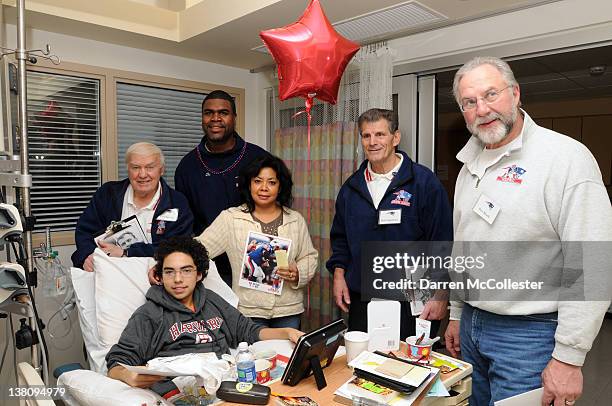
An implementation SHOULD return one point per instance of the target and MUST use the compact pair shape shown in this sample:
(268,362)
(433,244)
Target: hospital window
(63,145)
(168,118)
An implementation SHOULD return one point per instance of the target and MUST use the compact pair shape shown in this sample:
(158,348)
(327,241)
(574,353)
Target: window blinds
(170,119)
(63,146)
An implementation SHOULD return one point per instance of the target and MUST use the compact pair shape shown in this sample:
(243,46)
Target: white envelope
(531,398)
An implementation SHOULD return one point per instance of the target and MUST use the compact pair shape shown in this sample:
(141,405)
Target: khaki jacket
(228,233)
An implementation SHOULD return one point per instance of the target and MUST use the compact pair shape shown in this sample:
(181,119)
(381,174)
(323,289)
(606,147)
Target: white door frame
(427,121)
(405,87)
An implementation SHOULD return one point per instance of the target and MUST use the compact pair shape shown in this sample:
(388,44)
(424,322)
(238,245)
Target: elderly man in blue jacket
(161,211)
(386,181)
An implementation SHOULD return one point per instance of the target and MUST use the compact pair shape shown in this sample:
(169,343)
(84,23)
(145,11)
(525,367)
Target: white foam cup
(355,342)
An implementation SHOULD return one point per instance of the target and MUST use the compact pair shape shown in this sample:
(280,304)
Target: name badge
(168,215)
(486,208)
(390,217)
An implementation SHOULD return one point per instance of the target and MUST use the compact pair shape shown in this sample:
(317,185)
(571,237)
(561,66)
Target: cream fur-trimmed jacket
(228,233)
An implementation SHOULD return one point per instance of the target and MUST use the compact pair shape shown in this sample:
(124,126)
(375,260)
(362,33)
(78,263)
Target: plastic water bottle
(245,364)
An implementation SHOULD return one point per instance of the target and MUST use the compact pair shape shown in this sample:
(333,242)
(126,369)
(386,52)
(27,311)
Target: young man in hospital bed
(181,316)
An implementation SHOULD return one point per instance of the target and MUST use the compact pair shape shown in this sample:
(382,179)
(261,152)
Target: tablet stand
(317,371)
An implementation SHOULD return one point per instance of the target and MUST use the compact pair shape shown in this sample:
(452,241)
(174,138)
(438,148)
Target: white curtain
(375,76)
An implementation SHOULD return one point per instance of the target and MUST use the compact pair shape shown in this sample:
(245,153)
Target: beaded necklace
(216,171)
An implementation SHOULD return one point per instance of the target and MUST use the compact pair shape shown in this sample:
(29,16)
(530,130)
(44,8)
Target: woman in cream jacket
(265,187)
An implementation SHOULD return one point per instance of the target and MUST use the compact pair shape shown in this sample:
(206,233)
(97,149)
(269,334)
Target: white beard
(498,132)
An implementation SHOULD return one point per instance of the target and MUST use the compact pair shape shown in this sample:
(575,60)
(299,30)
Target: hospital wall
(107,55)
(549,27)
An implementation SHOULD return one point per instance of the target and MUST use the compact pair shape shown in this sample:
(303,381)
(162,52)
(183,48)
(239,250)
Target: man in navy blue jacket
(386,181)
(208,175)
(161,211)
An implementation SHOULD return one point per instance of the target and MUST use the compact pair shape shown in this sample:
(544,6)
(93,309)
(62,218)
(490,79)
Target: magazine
(385,368)
(295,401)
(346,393)
(371,390)
(123,233)
(261,261)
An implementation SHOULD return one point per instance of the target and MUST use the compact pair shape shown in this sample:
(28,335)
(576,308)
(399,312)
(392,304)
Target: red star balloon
(311,56)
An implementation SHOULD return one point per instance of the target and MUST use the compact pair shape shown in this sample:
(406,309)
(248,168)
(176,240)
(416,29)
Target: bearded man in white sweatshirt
(523,183)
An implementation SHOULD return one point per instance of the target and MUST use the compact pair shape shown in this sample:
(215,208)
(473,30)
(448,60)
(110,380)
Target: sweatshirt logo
(512,174)
(402,198)
(197,327)
(202,338)
(214,323)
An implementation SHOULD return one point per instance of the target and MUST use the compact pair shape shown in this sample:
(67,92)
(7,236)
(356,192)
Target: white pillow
(214,282)
(89,388)
(84,289)
(121,285)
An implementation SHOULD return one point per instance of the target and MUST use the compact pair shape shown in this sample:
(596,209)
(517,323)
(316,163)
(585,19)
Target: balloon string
(308,104)
(308,107)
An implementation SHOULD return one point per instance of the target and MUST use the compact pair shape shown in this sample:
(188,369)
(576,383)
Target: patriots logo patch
(402,197)
(512,174)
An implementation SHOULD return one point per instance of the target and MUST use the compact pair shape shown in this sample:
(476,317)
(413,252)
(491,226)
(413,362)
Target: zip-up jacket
(428,216)
(228,233)
(106,206)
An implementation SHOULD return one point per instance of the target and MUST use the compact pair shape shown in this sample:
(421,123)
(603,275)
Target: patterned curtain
(334,157)
(335,154)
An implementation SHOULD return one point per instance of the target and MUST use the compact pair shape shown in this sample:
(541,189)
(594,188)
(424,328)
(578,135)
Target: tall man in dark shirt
(208,175)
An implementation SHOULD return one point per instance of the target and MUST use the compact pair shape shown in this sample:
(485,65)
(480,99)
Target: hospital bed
(105,299)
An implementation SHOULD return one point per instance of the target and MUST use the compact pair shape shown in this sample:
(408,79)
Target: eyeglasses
(185,272)
(489,97)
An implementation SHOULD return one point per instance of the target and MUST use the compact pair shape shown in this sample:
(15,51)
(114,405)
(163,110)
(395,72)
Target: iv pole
(22,114)
(22,58)
(14,173)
